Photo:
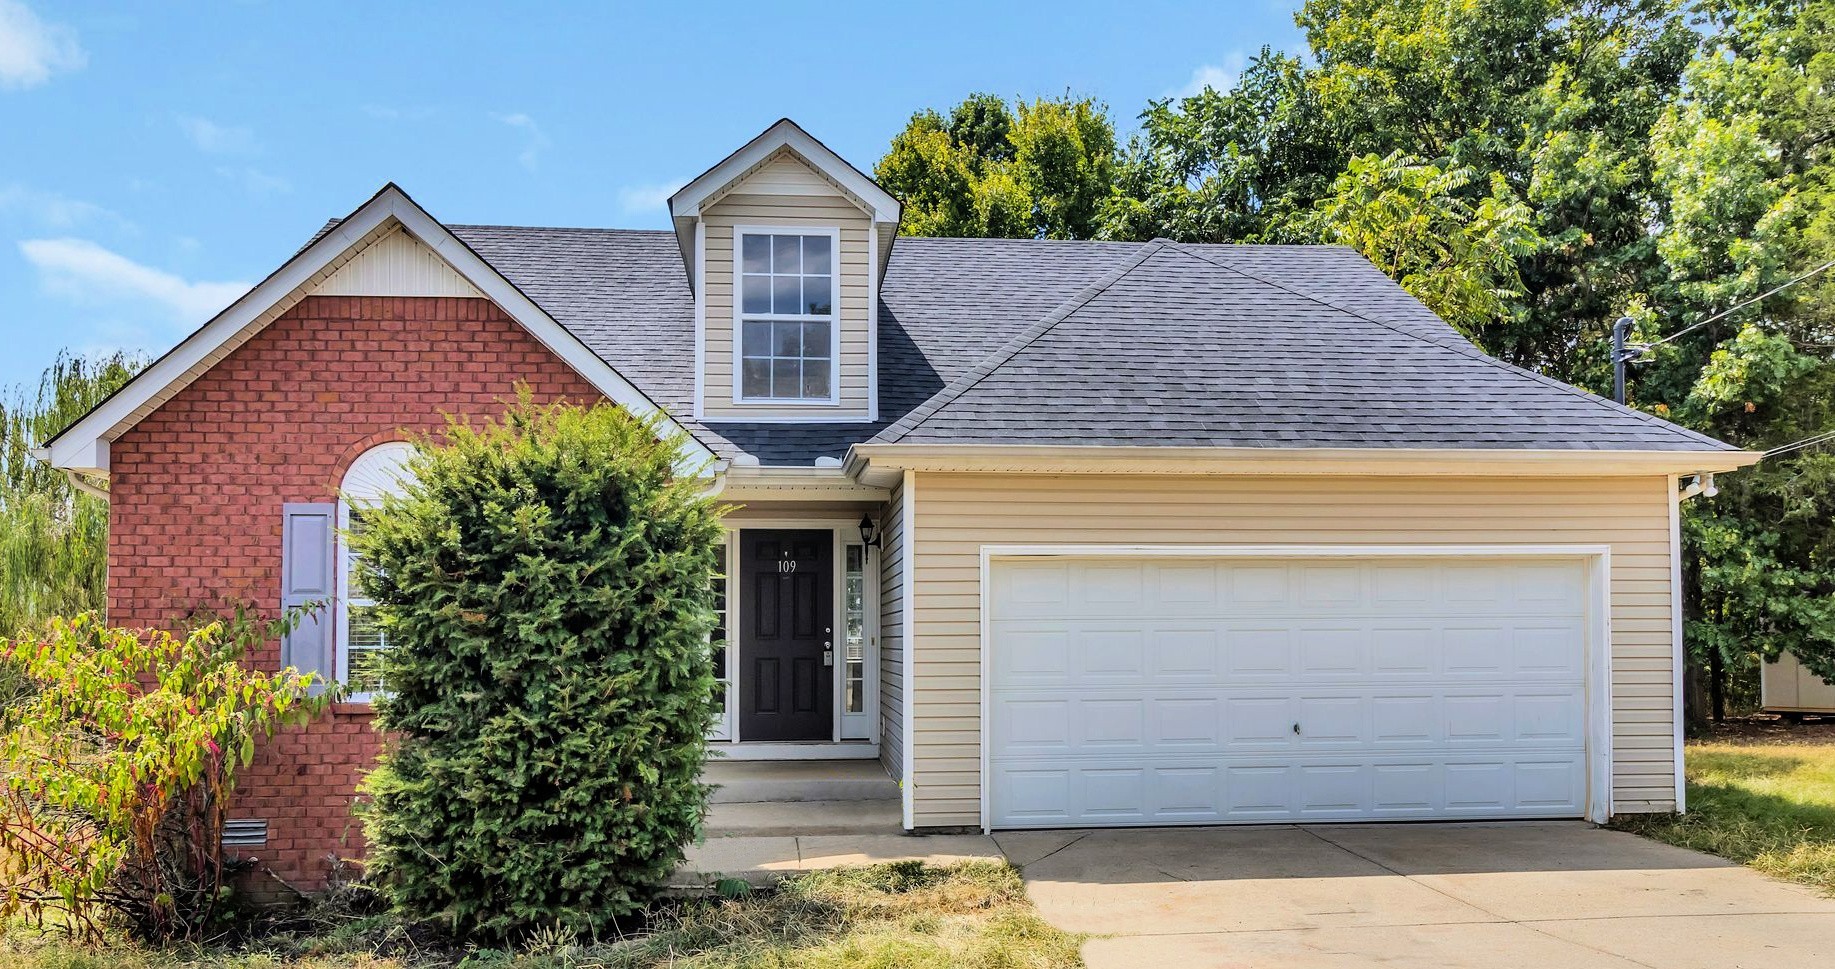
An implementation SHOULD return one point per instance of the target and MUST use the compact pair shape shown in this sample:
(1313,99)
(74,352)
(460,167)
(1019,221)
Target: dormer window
(788,336)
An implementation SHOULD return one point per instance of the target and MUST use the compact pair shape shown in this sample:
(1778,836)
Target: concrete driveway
(1548,895)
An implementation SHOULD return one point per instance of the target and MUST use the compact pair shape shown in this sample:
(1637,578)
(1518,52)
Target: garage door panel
(1403,650)
(1186,653)
(1113,654)
(1347,716)
(1186,722)
(1155,792)
(1331,650)
(1257,653)
(1204,691)
(1546,649)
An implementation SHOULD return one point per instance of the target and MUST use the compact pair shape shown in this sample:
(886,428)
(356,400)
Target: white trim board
(1677,645)
(1598,646)
(844,530)
(908,650)
(687,201)
(814,750)
(84,445)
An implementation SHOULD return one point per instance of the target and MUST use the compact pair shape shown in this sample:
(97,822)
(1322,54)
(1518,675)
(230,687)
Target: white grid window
(723,693)
(854,643)
(787,316)
(364,636)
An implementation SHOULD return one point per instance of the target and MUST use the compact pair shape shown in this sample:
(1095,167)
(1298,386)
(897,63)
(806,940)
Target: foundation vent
(245,833)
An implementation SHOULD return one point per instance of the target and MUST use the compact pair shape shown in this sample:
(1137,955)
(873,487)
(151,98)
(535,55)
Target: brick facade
(197,489)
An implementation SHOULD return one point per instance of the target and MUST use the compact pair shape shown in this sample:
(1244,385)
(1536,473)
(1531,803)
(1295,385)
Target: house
(1063,534)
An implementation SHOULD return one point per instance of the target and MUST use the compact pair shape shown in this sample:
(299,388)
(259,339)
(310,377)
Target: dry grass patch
(904,915)
(1770,806)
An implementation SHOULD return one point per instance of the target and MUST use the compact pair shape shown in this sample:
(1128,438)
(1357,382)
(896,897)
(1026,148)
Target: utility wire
(1810,441)
(1737,306)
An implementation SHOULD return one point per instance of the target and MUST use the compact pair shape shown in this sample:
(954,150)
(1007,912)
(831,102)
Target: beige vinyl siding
(799,205)
(892,635)
(959,513)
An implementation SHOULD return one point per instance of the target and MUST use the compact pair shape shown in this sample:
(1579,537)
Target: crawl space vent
(246,833)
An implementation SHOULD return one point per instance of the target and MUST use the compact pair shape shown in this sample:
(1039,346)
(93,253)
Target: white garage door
(1179,690)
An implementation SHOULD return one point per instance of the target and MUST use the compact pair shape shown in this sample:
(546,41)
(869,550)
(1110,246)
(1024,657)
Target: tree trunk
(1717,684)
(1694,696)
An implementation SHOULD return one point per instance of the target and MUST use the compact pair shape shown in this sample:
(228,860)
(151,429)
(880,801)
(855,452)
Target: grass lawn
(1768,803)
(902,915)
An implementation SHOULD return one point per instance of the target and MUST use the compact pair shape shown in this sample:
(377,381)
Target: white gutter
(882,463)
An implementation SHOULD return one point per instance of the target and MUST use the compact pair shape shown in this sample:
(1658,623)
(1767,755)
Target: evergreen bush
(545,581)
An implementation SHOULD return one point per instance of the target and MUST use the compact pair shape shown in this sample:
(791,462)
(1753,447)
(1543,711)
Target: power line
(1738,306)
(1810,441)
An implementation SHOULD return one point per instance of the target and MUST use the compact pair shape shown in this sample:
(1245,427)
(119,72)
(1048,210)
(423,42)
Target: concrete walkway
(1496,896)
(766,860)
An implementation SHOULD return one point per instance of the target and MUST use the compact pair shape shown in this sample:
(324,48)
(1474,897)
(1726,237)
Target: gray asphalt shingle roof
(994,341)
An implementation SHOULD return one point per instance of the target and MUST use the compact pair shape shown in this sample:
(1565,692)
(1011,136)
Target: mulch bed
(1762,729)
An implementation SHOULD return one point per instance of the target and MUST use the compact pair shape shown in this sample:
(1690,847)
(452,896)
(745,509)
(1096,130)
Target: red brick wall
(196,491)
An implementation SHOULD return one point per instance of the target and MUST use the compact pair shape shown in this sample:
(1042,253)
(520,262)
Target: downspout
(77,482)
(719,485)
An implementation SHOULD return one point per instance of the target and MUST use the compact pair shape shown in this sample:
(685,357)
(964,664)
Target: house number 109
(786,566)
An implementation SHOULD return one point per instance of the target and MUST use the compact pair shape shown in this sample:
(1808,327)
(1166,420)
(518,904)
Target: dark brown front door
(787,620)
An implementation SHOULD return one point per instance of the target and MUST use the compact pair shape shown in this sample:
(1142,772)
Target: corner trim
(700,318)
(908,695)
(1678,652)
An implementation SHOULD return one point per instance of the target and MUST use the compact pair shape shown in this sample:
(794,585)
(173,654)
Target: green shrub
(117,771)
(546,581)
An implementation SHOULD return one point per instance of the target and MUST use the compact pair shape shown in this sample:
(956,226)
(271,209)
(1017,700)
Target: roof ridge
(1024,338)
(1464,349)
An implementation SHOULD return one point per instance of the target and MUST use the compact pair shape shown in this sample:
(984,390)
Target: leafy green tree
(1556,97)
(1228,166)
(547,584)
(53,538)
(1745,163)
(1043,169)
(1413,220)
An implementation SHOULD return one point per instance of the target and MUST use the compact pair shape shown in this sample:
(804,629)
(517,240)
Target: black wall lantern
(868,534)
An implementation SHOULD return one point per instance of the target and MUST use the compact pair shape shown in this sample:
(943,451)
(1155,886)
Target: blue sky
(156,162)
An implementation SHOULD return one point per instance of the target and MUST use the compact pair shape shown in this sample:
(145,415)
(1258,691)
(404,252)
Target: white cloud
(1218,77)
(255,181)
(216,139)
(52,210)
(84,272)
(647,198)
(536,143)
(32,50)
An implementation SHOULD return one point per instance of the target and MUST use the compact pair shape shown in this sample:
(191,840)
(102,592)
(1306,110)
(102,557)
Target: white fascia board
(686,202)
(84,445)
(742,484)
(879,463)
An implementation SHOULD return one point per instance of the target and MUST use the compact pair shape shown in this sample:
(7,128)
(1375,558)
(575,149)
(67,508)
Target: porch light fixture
(868,536)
